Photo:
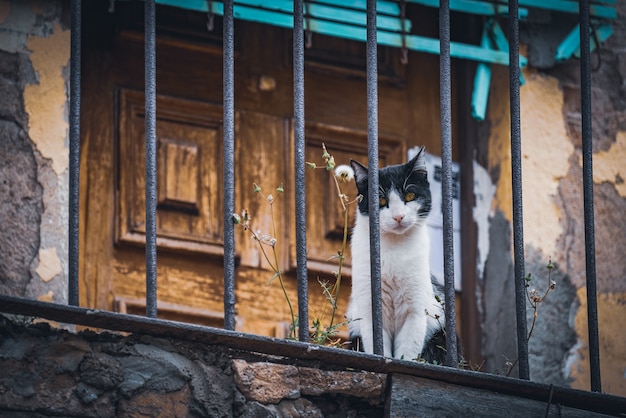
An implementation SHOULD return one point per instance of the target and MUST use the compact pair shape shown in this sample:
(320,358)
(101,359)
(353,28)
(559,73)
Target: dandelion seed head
(344,173)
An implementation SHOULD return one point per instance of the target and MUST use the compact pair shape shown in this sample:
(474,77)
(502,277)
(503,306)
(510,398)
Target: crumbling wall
(52,372)
(34,57)
(553,212)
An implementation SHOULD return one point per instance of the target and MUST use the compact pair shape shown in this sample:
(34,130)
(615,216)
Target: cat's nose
(398,218)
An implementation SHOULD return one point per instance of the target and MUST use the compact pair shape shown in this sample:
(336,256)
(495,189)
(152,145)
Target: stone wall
(34,56)
(49,372)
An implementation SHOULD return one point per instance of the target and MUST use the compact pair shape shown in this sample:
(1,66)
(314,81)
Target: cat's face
(404,194)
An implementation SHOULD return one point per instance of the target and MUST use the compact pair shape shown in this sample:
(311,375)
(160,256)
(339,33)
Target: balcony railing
(72,313)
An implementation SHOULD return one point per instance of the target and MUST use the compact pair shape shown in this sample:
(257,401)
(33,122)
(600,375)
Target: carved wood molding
(189,167)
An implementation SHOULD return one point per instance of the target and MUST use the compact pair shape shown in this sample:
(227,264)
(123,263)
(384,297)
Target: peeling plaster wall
(553,218)
(34,59)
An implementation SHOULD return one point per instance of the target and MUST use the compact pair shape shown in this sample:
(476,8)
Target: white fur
(407,291)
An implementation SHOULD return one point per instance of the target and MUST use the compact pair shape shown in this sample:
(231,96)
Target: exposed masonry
(34,189)
(109,375)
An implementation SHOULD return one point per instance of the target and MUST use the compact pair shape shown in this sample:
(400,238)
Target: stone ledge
(270,383)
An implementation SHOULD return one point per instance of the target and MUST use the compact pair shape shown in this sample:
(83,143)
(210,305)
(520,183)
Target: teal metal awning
(347,19)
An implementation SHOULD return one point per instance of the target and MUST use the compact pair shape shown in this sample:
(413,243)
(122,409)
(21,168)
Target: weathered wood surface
(190,219)
(418,397)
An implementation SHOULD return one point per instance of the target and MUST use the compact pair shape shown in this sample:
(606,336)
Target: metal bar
(74,180)
(299,148)
(590,251)
(600,34)
(151,169)
(516,175)
(373,193)
(569,45)
(229,165)
(445,86)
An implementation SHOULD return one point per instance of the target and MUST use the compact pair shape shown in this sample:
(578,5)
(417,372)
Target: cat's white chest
(406,288)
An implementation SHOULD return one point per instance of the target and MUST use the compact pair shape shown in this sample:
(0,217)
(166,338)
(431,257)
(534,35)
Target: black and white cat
(410,329)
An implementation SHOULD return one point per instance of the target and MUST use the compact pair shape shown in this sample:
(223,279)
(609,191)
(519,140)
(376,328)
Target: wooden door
(189,135)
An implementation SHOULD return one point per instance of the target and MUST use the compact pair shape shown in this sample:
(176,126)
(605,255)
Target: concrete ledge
(416,397)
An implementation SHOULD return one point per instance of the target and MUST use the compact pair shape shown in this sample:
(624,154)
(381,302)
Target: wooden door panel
(189,155)
(260,143)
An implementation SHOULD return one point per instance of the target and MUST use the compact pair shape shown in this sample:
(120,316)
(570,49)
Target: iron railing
(372,113)
(516,179)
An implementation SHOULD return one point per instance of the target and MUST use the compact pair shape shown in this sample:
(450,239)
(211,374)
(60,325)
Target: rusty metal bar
(229,165)
(372,152)
(590,251)
(74,163)
(516,175)
(151,163)
(299,159)
(446,181)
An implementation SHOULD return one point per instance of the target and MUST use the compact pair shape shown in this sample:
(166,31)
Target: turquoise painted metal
(596,10)
(571,44)
(482,82)
(347,19)
(387,36)
(603,32)
(483,8)
(503,45)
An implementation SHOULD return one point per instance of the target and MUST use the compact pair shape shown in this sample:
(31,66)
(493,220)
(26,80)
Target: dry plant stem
(277,272)
(292,332)
(341,258)
(535,304)
(321,336)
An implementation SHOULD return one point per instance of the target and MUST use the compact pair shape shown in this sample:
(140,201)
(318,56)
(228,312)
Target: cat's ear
(418,162)
(360,172)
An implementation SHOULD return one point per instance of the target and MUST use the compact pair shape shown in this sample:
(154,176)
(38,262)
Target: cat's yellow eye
(409,196)
(382,201)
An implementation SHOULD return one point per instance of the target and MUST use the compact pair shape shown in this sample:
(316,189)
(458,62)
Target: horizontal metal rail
(590,401)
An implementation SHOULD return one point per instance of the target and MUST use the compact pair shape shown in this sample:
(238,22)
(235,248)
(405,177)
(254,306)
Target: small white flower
(344,173)
(270,198)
